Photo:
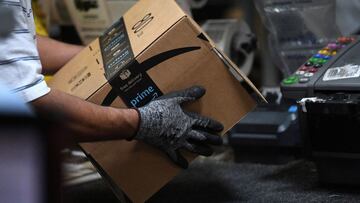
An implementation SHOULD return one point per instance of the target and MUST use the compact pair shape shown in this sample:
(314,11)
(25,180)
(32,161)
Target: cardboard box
(154,49)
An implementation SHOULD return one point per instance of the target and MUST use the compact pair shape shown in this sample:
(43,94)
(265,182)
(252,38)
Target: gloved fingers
(177,158)
(205,137)
(186,95)
(198,148)
(206,123)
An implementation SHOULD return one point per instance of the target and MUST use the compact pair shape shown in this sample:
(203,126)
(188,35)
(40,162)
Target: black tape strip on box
(132,85)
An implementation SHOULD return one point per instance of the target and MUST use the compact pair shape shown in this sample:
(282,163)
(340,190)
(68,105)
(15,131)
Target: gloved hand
(165,125)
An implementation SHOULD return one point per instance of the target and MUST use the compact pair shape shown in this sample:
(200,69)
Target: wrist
(137,114)
(131,124)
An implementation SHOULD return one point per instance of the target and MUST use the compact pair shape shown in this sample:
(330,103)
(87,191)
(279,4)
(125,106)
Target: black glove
(165,125)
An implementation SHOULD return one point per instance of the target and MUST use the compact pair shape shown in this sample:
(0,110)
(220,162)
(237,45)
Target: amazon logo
(144,83)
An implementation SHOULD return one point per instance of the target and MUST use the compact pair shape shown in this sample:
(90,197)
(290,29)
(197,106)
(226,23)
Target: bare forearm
(55,54)
(88,121)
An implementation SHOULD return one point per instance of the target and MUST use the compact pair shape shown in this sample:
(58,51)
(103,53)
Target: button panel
(317,65)
(304,80)
(316,62)
(291,80)
(304,68)
(300,72)
(312,70)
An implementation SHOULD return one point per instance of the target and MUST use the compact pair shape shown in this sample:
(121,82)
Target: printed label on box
(123,72)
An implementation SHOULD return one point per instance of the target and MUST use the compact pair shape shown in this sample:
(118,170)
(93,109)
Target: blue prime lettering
(142,96)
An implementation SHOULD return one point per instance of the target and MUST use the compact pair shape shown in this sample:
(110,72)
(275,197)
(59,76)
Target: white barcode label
(344,72)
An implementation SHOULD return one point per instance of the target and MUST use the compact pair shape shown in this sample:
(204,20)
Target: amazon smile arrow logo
(135,69)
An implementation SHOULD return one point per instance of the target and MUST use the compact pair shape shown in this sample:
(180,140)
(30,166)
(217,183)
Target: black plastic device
(336,68)
(327,87)
(331,128)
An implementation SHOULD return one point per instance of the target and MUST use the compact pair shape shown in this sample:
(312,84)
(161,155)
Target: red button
(313,70)
(344,40)
(304,68)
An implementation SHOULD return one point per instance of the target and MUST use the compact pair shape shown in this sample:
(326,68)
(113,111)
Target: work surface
(208,180)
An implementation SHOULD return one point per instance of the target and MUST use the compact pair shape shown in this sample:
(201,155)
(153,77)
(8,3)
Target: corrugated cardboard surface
(138,169)
(72,78)
(165,12)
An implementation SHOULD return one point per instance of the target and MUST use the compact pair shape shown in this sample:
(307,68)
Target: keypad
(291,80)
(304,80)
(306,72)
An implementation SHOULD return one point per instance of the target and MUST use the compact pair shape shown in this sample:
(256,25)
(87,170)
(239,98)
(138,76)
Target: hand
(165,125)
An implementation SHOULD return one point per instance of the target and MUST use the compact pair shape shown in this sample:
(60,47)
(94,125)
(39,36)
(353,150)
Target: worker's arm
(55,54)
(87,121)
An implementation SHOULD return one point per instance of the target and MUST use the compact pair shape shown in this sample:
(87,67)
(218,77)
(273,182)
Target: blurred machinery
(86,5)
(235,39)
(328,87)
(92,17)
(297,29)
(270,134)
(197,4)
(297,32)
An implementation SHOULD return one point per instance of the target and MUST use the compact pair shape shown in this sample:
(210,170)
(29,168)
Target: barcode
(347,71)
(337,73)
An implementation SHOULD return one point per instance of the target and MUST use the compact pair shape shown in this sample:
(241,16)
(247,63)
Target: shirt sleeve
(20,65)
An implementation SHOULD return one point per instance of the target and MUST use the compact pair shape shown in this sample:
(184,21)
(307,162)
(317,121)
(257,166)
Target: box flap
(227,61)
(148,20)
(237,70)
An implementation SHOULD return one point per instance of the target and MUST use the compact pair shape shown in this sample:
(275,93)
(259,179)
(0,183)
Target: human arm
(162,123)
(87,121)
(55,54)
(20,71)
